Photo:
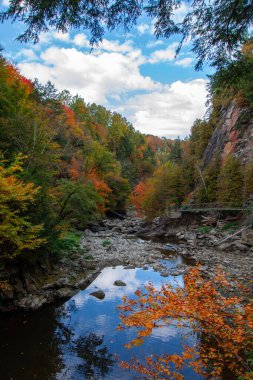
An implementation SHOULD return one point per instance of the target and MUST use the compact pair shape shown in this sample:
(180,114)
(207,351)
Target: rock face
(233,134)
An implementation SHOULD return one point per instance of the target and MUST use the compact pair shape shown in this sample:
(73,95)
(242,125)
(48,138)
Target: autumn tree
(207,189)
(17,233)
(201,132)
(222,323)
(248,181)
(230,183)
(166,190)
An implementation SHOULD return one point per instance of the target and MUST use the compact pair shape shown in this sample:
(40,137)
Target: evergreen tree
(216,28)
(208,193)
(248,181)
(230,183)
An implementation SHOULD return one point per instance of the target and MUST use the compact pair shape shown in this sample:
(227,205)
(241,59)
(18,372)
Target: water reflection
(97,361)
(29,346)
(77,340)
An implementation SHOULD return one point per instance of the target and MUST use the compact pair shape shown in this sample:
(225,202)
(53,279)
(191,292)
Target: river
(78,338)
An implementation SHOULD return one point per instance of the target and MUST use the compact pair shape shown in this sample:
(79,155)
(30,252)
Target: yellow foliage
(16,231)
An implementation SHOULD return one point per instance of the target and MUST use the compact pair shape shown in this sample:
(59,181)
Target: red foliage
(14,75)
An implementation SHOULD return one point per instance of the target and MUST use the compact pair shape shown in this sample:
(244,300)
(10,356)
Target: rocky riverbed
(132,243)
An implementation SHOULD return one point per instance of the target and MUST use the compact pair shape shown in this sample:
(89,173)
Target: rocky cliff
(233,134)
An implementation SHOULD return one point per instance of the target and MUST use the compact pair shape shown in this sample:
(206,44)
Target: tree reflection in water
(97,360)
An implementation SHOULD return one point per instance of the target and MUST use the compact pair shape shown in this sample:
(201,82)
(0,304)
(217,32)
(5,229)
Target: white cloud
(81,40)
(116,46)
(152,44)
(180,13)
(169,112)
(163,55)
(111,75)
(61,36)
(185,62)
(143,28)
(96,77)
(6,3)
(28,54)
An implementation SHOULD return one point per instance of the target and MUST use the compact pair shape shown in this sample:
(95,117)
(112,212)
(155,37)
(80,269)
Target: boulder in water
(119,283)
(99,294)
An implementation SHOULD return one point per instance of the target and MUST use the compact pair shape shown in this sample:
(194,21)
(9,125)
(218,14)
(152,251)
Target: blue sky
(133,74)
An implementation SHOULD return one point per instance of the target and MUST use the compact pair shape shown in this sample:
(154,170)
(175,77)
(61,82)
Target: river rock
(242,247)
(247,237)
(225,246)
(64,293)
(119,283)
(31,302)
(99,294)
(169,247)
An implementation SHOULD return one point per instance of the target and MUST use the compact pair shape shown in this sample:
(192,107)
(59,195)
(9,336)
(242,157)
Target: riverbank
(132,243)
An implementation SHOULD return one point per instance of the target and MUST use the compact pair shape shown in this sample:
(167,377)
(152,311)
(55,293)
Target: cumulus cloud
(152,44)
(169,112)
(143,28)
(28,54)
(163,55)
(111,75)
(96,77)
(81,40)
(185,62)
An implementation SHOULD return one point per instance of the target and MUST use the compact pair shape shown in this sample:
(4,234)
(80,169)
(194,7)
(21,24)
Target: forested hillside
(214,165)
(64,163)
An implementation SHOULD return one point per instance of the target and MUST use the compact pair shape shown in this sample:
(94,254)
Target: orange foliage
(70,116)
(139,196)
(222,323)
(75,169)
(154,143)
(13,75)
(101,132)
(102,188)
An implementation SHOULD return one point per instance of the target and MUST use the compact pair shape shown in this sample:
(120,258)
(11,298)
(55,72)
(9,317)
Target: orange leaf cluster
(139,196)
(222,323)
(102,188)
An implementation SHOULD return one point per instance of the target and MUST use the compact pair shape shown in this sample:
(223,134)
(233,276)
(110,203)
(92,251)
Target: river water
(78,339)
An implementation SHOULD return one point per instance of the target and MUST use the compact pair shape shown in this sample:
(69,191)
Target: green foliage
(230,183)
(106,243)
(67,243)
(208,185)
(166,190)
(120,191)
(248,181)
(76,203)
(231,226)
(81,156)
(204,229)
(235,80)
(200,134)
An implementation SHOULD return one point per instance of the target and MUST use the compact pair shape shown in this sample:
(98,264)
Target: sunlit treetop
(216,28)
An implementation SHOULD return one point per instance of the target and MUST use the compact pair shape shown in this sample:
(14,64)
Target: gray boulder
(119,283)
(99,294)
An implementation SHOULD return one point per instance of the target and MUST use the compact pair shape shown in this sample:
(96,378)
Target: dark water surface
(78,339)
